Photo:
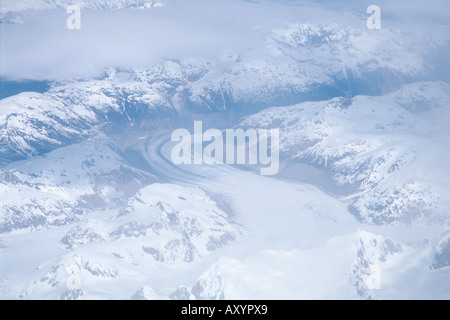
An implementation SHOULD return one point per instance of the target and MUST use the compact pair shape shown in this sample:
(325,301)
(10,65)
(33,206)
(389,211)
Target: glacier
(92,207)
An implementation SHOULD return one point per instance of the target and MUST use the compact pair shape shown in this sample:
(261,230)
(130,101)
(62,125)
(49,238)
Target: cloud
(43,48)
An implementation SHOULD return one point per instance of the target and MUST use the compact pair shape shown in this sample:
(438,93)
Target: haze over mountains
(91,205)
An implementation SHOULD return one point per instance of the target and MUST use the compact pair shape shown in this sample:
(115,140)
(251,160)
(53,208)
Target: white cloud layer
(43,48)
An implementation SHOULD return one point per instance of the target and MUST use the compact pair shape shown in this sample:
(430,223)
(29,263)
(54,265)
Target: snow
(22,5)
(91,206)
(378,144)
(290,240)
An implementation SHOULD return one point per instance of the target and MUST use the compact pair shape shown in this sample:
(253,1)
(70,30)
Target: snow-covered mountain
(298,62)
(22,5)
(34,123)
(15,11)
(382,153)
(91,205)
(93,201)
(372,275)
(155,233)
(65,185)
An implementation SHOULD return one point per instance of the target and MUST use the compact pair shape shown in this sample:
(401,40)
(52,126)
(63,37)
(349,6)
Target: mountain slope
(383,153)
(65,185)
